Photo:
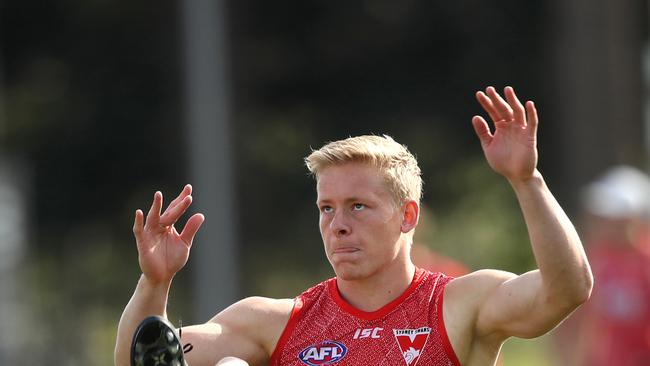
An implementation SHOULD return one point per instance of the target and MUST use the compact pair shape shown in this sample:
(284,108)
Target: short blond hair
(394,160)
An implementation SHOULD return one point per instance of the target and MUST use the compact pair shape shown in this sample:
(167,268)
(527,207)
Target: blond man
(379,309)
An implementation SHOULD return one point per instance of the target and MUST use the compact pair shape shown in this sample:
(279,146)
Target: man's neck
(372,293)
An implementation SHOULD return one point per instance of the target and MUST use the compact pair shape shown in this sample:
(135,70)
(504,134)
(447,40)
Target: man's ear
(411,216)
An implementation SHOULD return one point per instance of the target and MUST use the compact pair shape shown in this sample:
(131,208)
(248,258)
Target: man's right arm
(248,329)
(162,252)
(148,299)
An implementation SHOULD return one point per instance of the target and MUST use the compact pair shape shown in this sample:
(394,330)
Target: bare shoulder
(463,298)
(466,294)
(476,285)
(255,311)
(250,315)
(263,304)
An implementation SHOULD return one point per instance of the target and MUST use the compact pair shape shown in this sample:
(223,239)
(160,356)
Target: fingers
(517,108)
(501,107)
(173,213)
(533,119)
(154,212)
(487,105)
(175,209)
(191,228)
(482,130)
(503,110)
(187,190)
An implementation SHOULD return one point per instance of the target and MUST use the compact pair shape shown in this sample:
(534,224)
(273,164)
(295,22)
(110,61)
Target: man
(614,327)
(379,309)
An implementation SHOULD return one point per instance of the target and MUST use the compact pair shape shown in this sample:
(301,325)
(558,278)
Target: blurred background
(102,103)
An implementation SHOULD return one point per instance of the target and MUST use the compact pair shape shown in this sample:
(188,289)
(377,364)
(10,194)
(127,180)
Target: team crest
(411,342)
(324,353)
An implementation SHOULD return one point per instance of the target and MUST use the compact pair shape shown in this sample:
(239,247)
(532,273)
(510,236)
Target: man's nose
(340,224)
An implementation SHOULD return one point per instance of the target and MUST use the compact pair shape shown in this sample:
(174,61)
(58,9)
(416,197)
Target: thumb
(482,130)
(138,226)
(191,228)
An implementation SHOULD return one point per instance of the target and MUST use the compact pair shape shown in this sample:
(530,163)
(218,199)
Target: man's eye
(326,209)
(358,206)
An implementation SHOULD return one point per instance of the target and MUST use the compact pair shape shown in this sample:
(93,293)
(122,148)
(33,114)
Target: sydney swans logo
(411,342)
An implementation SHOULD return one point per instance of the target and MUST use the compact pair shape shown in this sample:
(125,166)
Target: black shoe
(156,343)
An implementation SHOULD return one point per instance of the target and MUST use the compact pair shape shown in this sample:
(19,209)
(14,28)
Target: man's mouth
(343,250)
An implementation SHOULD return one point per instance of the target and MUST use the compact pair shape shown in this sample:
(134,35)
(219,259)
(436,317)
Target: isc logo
(367,333)
(324,353)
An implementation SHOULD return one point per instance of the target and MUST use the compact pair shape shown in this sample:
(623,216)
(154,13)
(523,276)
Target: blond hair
(394,161)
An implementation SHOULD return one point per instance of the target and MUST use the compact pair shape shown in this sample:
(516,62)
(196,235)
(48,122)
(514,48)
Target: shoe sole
(156,343)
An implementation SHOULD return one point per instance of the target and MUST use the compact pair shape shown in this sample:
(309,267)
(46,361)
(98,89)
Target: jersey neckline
(418,277)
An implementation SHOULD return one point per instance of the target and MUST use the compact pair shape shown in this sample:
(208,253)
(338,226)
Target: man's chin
(349,272)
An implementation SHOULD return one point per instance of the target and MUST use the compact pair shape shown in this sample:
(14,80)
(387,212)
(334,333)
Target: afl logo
(324,353)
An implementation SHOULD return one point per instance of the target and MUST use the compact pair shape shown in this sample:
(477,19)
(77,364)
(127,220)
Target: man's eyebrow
(349,199)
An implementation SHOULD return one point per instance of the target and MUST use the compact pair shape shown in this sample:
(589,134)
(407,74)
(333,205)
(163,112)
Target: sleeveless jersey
(324,329)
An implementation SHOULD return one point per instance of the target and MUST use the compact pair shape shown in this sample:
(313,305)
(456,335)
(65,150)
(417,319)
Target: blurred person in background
(379,309)
(613,328)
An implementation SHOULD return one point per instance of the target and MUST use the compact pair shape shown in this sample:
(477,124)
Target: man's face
(359,222)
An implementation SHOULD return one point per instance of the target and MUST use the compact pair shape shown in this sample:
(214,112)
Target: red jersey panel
(325,330)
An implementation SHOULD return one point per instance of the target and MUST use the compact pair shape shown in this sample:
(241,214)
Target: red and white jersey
(324,329)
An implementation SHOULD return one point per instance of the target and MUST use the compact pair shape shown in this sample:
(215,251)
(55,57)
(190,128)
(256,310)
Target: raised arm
(248,329)
(162,252)
(531,304)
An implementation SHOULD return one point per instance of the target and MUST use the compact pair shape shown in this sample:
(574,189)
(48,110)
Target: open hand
(512,149)
(162,251)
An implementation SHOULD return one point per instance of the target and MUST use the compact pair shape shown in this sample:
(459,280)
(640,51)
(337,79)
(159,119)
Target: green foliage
(77,295)
(527,352)
(480,222)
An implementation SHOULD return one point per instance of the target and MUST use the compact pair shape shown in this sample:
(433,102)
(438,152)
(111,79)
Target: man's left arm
(533,303)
